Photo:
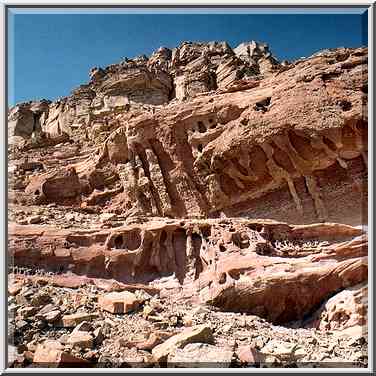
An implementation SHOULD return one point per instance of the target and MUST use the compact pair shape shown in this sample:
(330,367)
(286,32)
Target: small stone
(188,320)
(64,339)
(11,300)
(142,295)
(133,361)
(70,217)
(357,340)
(250,355)
(91,355)
(29,356)
(27,311)
(312,341)
(41,281)
(226,328)
(21,300)
(40,324)
(147,311)
(198,311)
(260,343)
(34,219)
(200,333)
(83,340)
(31,346)
(149,343)
(21,324)
(27,292)
(284,350)
(14,288)
(98,336)
(40,299)
(83,327)
(47,308)
(52,316)
(70,321)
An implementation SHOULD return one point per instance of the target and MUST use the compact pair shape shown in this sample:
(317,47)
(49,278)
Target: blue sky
(50,54)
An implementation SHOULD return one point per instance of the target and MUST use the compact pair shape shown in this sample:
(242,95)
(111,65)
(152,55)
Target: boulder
(344,310)
(26,312)
(51,353)
(119,302)
(200,333)
(81,339)
(249,355)
(70,321)
(14,288)
(54,186)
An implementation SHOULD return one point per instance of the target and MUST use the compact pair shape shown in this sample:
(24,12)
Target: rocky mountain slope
(217,181)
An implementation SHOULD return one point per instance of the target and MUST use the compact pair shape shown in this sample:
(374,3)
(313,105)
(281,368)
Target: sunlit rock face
(212,174)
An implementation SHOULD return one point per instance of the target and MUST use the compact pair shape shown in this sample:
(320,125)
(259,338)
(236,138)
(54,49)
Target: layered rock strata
(215,175)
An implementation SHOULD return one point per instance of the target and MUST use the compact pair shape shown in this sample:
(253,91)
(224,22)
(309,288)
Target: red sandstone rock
(277,260)
(119,302)
(249,355)
(69,321)
(303,125)
(14,288)
(344,310)
(201,333)
(50,353)
(81,339)
(188,178)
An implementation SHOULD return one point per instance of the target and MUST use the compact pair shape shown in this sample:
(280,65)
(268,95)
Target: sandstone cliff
(220,176)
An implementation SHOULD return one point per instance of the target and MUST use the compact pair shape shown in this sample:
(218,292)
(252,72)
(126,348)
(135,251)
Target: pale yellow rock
(69,321)
(81,339)
(201,333)
(119,302)
(51,353)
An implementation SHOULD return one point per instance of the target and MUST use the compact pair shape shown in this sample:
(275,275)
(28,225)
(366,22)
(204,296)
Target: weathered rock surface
(51,354)
(201,175)
(249,355)
(81,339)
(259,267)
(200,333)
(69,321)
(119,302)
(344,310)
(201,355)
(293,138)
